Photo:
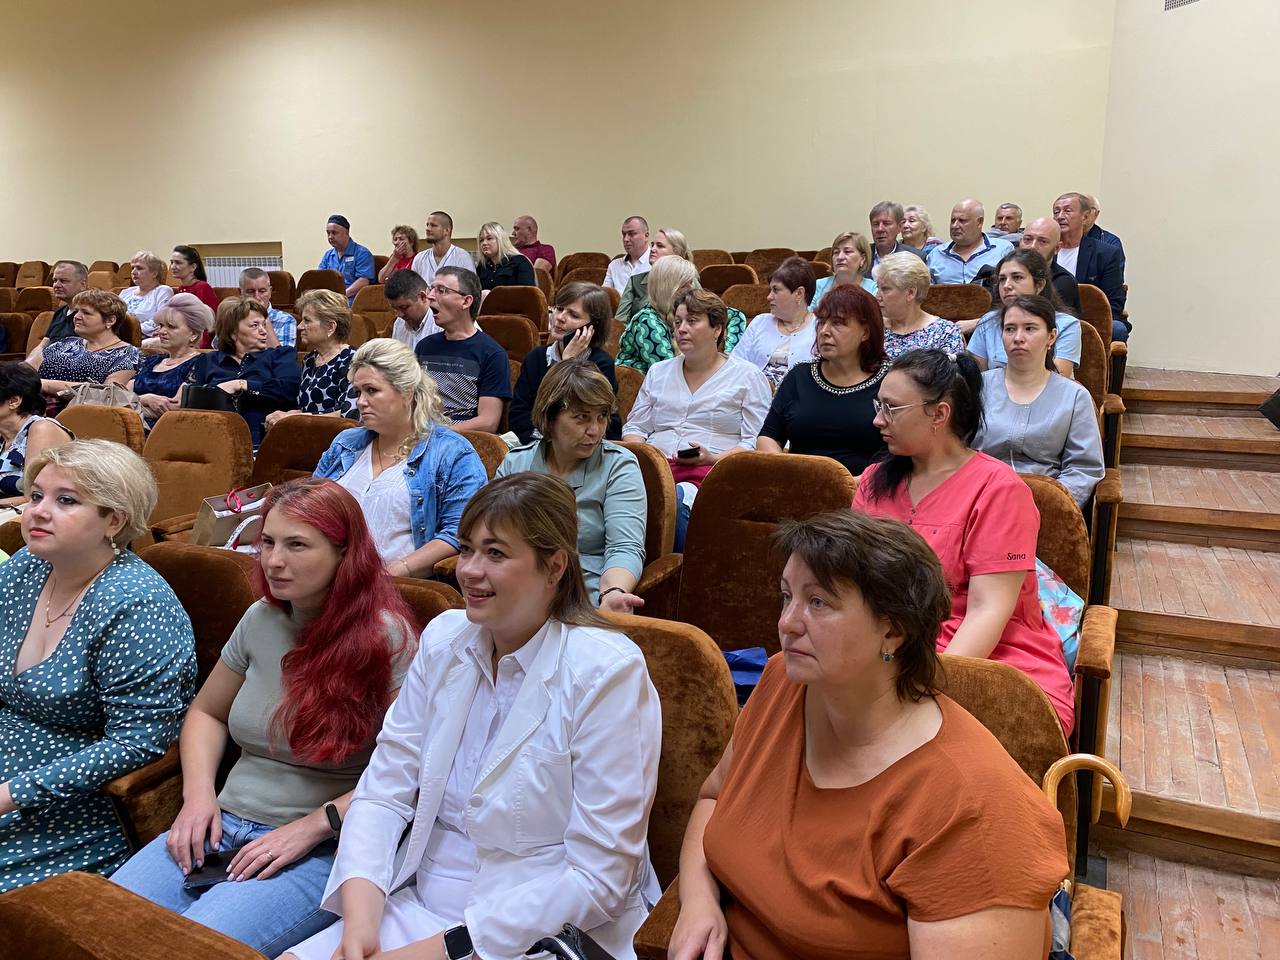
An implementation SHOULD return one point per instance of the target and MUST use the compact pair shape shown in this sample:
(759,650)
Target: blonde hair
(109,474)
(328,307)
(860,243)
(152,263)
(399,366)
(667,277)
(904,271)
(679,245)
(506,249)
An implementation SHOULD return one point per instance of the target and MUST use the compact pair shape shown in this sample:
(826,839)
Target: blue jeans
(1119,331)
(269,915)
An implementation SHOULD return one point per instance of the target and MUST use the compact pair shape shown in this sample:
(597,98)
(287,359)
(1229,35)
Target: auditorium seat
(584,275)
(226,293)
(491,448)
(513,331)
(8,273)
(526,301)
(820,269)
(704,257)
(39,327)
(196,454)
(1095,309)
(957,301)
(91,421)
(16,327)
(740,256)
(765,260)
(362,331)
(572,261)
(130,331)
(320,280)
(660,499)
(1094,374)
(8,299)
(33,273)
(104,266)
(614,299)
(35,301)
(124,276)
(282,289)
(629,382)
(546,283)
(809,255)
(751,299)
(719,277)
(823,255)
(371,303)
(102,280)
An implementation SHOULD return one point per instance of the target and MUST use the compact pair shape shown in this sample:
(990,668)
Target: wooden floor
(1149,378)
(1179,910)
(1216,428)
(1201,487)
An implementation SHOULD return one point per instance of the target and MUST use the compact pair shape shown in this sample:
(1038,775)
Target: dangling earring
(115,547)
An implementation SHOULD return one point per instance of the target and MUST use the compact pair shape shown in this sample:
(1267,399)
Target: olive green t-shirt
(268,784)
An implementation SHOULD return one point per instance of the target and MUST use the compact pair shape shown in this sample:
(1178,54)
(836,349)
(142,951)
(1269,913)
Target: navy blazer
(273,376)
(1102,265)
(534,368)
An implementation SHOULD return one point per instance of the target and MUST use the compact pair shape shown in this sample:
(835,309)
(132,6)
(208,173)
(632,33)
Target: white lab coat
(560,812)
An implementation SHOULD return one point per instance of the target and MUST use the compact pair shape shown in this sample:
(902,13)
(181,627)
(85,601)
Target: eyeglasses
(439,289)
(888,411)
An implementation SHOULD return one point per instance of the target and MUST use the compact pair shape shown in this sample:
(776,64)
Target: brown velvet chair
(1095,309)
(283,289)
(719,277)
(371,303)
(514,333)
(102,280)
(725,582)
(1094,372)
(34,301)
(957,301)
(765,260)
(572,261)
(820,269)
(8,274)
(11,536)
(660,500)
(196,454)
(39,327)
(91,421)
(124,276)
(491,448)
(751,299)
(629,382)
(105,266)
(363,330)
(585,275)
(33,273)
(546,283)
(526,301)
(614,299)
(16,328)
(706,256)
(320,280)
(822,255)
(740,256)
(8,299)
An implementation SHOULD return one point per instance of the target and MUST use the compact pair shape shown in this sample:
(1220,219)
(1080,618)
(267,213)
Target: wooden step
(1201,505)
(1148,390)
(1236,443)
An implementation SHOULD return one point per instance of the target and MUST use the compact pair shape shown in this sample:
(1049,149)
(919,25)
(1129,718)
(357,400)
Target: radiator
(225,271)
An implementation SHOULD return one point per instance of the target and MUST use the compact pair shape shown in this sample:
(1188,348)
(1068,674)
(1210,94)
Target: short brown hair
(598,306)
(231,312)
(571,385)
(707,304)
(794,273)
(410,234)
(112,308)
(895,571)
(328,307)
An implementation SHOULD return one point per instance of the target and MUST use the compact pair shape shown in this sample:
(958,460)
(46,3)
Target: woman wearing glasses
(974,511)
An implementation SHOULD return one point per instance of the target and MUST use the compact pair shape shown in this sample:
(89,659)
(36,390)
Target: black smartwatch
(457,943)
(335,820)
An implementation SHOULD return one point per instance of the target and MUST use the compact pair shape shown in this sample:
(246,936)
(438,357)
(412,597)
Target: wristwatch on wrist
(457,943)
(335,820)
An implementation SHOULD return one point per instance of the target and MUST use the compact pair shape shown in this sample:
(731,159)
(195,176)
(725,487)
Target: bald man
(969,250)
(1043,236)
(524,234)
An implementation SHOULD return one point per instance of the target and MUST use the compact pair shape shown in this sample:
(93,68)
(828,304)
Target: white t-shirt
(408,336)
(145,306)
(385,502)
(775,354)
(622,270)
(425,264)
(1067,259)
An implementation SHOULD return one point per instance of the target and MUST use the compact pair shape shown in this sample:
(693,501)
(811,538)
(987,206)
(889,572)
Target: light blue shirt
(826,283)
(987,341)
(354,262)
(285,326)
(945,265)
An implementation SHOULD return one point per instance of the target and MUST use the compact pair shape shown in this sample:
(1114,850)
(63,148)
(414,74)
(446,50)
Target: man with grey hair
(970,250)
(1091,228)
(635,258)
(886,223)
(1008,220)
(1089,259)
(255,283)
(1043,236)
(69,278)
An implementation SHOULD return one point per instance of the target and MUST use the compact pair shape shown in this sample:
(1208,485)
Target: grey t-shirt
(268,784)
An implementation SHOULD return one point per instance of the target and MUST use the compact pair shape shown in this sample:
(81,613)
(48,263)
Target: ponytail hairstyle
(1037,306)
(192,256)
(337,679)
(939,377)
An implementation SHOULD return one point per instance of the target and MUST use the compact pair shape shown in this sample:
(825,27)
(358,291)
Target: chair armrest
(145,778)
(447,570)
(1109,488)
(655,933)
(1119,348)
(1097,924)
(659,587)
(1112,405)
(1095,764)
(174,527)
(1097,642)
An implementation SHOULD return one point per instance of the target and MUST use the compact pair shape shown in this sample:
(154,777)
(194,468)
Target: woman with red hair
(301,689)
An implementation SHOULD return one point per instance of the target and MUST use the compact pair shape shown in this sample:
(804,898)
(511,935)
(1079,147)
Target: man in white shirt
(635,241)
(406,293)
(441,252)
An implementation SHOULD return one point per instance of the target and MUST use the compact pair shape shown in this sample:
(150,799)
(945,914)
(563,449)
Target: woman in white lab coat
(522,754)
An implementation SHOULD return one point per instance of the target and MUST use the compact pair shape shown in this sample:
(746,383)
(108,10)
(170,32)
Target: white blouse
(385,501)
(727,411)
(145,306)
(765,346)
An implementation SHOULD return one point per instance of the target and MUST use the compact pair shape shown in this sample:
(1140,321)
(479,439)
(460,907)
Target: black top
(512,272)
(465,370)
(520,415)
(272,376)
(1066,285)
(824,420)
(63,324)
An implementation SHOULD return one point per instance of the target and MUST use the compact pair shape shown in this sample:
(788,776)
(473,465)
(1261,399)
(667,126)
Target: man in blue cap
(349,258)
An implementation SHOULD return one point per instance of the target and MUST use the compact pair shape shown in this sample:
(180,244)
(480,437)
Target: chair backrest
(130,331)
(698,712)
(491,448)
(740,256)
(823,255)
(1063,541)
(124,276)
(8,273)
(820,269)
(765,260)
(1095,309)
(660,499)
(16,327)
(706,256)
(39,327)
(196,454)
(957,301)
(11,540)
(91,421)
(1016,711)
(428,599)
(614,299)
(526,301)
(362,329)
(572,261)
(320,280)
(283,289)
(33,273)
(371,303)
(102,280)
(730,568)
(719,277)
(36,300)
(513,331)
(294,446)
(584,275)
(751,299)
(107,266)
(809,255)
(8,299)
(1095,366)
(546,282)
(629,382)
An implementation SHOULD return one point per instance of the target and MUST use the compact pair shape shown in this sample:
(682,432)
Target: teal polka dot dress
(108,700)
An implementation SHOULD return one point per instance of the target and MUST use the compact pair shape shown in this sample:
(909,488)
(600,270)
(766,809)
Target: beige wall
(742,123)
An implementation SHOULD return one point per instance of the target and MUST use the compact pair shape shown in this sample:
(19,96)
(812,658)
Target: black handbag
(198,397)
(571,944)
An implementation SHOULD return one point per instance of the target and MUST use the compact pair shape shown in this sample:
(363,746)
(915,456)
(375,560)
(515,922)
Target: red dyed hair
(851,302)
(337,679)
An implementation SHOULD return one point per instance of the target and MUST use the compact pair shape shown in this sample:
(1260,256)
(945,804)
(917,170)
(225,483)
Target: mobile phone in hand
(689,453)
(213,871)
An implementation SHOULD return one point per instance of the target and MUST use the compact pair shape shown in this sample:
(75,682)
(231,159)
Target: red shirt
(205,293)
(983,519)
(535,251)
(404,263)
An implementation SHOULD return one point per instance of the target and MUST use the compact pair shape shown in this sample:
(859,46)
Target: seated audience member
(353,260)
(70,277)
(636,295)
(179,327)
(440,251)
(524,235)
(704,402)
(256,284)
(1037,420)
(300,689)
(25,432)
(186,268)
(404,247)
(406,294)
(324,388)
(969,250)
(261,378)
(776,341)
(96,354)
(411,475)
(148,295)
(850,261)
(917,229)
(650,334)
(1024,273)
(536,808)
(468,365)
(1091,228)
(929,411)
(1043,236)
(1008,220)
(886,224)
(903,283)
(84,699)
(1089,259)
(580,324)
(635,257)
(824,406)
(498,263)
(857,810)
(572,413)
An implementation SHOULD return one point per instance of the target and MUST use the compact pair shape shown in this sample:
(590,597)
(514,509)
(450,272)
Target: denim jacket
(443,472)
